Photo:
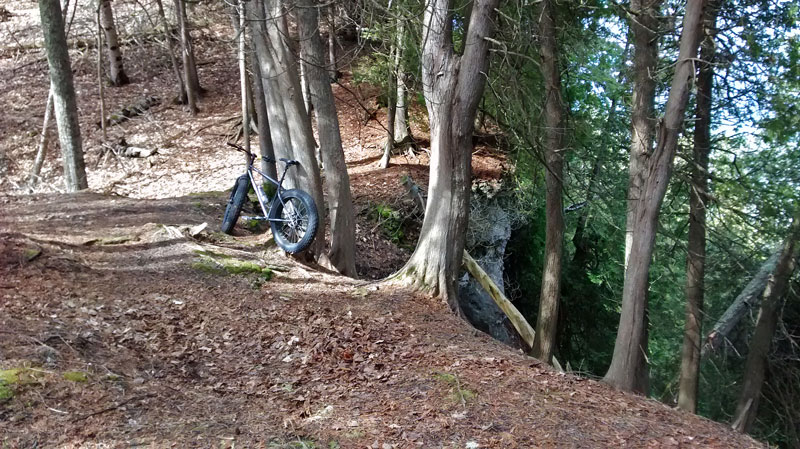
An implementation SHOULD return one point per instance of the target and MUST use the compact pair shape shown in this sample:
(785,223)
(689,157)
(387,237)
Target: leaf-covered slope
(177,354)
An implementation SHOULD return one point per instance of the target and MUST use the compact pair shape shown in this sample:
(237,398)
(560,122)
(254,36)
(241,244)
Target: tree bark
(65,106)
(756,364)
(337,182)
(401,129)
(291,130)
(696,251)
(44,139)
(191,82)
(264,134)
(645,28)
(332,41)
(452,97)
(101,91)
(391,109)
(550,296)
(628,370)
(748,299)
(242,33)
(168,42)
(304,87)
(116,73)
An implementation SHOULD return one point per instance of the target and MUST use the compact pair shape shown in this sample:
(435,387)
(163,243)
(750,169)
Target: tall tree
(628,370)
(44,139)
(645,29)
(191,81)
(162,17)
(391,107)
(756,364)
(550,296)
(116,73)
(289,124)
(264,134)
(241,31)
(330,13)
(453,85)
(401,128)
(65,106)
(696,251)
(337,181)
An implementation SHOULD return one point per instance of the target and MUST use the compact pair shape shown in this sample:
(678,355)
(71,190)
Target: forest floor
(125,322)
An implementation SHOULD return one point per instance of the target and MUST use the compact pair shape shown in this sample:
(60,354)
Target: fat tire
(311,213)
(235,203)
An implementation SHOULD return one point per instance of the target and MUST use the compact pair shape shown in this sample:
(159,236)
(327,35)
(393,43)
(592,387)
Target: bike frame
(262,196)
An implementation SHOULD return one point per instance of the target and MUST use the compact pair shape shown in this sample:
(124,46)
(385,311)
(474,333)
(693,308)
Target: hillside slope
(117,329)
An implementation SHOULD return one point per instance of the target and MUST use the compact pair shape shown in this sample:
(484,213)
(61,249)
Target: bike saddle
(289,161)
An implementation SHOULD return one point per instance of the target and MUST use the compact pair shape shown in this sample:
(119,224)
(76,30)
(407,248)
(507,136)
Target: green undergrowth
(12,378)
(459,394)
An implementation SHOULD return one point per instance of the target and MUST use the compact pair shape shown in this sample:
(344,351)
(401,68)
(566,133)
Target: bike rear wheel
(235,203)
(294,220)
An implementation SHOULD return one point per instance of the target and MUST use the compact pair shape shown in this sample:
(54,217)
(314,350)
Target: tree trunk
(452,97)
(191,81)
(116,73)
(101,91)
(696,254)
(264,132)
(391,109)
(645,27)
(291,130)
(43,141)
(65,106)
(388,146)
(332,43)
(756,365)
(748,299)
(628,370)
(242,33)
(239,23)
(547,319)
(342,253)
(401,129)
(168,42)
(304,87)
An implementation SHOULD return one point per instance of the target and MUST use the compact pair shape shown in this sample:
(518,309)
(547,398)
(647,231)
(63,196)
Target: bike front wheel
(294,219)
(235,203)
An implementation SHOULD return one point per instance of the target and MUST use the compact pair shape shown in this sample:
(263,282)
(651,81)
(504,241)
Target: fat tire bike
(291,213)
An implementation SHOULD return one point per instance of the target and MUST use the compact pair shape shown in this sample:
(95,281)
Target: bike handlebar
(288,162)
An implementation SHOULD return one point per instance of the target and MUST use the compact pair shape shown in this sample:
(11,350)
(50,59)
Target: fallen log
(517,320)
(130,112)
(748,299)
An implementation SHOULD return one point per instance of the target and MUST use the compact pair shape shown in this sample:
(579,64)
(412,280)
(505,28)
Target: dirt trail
(122,331)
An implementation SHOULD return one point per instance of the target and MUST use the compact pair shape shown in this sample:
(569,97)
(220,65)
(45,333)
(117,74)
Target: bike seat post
(283,175)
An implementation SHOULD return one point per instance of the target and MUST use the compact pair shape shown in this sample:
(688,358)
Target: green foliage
(391,221)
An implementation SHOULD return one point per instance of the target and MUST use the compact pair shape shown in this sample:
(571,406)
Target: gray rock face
(487,236)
